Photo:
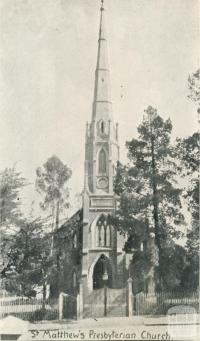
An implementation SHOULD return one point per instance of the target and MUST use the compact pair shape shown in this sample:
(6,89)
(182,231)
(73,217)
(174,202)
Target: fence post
(129,297)
(151,282)
(60,305)
(80,301)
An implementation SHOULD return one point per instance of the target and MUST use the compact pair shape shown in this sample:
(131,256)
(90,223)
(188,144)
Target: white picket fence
(29,309)
(161,302)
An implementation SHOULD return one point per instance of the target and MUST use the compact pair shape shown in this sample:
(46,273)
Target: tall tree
(147,186)
(188,153)
(51,183)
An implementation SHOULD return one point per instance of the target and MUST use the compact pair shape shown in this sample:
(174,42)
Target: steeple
(100,240)
(101,150)
(102,106)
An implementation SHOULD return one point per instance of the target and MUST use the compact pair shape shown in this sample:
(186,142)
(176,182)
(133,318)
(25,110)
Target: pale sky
(48,52)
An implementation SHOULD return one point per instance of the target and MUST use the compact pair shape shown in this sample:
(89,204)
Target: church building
(96,246)
(94,254)
(102,244)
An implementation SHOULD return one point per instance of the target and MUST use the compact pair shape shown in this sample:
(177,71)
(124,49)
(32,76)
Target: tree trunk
(155,206)
(2,209)
(52,229)
(44,290)
(57,214)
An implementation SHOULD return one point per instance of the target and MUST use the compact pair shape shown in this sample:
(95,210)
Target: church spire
(102,107)
(102,150)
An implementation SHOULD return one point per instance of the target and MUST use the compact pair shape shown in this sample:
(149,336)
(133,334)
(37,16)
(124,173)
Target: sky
(48,51)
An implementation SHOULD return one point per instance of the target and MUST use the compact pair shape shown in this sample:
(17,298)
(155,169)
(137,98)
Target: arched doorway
(101,268)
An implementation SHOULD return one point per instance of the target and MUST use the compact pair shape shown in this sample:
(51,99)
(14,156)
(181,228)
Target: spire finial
(102,5)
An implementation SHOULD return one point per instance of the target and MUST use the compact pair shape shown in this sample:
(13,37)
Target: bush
(44,314)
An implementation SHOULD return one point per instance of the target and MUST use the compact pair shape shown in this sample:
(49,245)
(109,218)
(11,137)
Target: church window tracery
(103,232)
(102,161)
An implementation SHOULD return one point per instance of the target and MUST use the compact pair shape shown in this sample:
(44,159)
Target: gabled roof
(75,218)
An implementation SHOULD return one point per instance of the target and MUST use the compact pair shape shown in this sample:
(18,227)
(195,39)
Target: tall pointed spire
(102,107)
(102,150)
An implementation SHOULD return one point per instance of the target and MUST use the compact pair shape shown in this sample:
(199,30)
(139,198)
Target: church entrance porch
(102,300)
(102,273)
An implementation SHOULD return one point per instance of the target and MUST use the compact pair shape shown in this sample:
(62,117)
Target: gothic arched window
(102,161)
(102,127)
(74,280)
(103,231)
(74,241)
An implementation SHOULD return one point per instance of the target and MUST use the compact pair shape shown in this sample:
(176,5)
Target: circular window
(102,182)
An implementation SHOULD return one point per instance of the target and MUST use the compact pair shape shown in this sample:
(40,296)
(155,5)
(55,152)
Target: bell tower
(101,155)
(101,150)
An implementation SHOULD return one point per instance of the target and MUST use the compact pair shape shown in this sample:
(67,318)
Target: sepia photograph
(99,170)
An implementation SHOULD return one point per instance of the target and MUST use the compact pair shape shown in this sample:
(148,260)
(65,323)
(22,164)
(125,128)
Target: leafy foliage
(188,153)
(30,263)
(147,187)
(51,183)
(187,150)
(173,263)
(194,88)
(11,182)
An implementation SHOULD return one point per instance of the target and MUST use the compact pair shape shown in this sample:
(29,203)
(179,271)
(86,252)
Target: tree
(147,186)
(187,150)
(30,263)
(51,183)
(173,262)
(194,88)
(11,182)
